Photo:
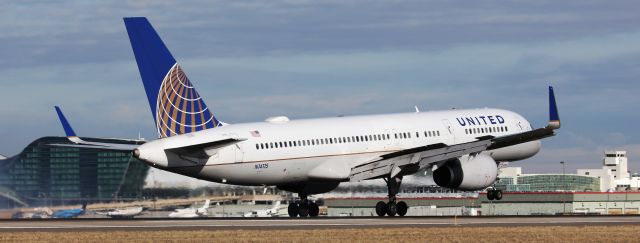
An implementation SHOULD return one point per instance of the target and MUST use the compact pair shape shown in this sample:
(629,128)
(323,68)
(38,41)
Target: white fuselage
(325,149)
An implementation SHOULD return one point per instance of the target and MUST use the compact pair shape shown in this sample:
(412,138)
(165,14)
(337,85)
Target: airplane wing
(414,159)
(77,142)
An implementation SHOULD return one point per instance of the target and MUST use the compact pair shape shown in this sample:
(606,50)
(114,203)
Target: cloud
(254,59)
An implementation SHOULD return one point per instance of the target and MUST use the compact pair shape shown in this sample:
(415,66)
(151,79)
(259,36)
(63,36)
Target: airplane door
(237,149)
(239,152)
(449,129)
(394,141)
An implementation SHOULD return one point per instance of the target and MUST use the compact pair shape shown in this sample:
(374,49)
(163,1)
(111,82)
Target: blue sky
(255,59)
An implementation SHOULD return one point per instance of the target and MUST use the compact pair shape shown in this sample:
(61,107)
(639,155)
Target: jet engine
(467,173)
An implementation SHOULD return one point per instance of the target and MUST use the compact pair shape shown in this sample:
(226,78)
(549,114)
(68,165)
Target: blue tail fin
(176,106)
(65,124)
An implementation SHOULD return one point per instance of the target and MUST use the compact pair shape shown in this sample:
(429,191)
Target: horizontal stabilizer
(199,150)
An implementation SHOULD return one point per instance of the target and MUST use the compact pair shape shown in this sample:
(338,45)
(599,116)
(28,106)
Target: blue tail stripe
(152,56)
(65,124)
(553,109)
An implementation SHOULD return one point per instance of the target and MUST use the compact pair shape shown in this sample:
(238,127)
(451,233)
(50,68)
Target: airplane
(126,213)
(462,147)
(191,212)
(269,212)
(70,213)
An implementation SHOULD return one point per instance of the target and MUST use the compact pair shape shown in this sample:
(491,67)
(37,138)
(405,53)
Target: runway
(316,223)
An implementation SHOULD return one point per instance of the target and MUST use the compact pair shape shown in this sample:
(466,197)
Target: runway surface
(316,223)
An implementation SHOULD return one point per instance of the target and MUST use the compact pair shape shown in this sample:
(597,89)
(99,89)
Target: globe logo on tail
(180,109)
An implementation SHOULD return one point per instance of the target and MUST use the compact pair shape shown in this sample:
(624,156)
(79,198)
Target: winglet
(65,124)
(554,118)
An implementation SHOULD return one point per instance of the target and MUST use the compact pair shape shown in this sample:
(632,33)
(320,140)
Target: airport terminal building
(613,176)
(52,175)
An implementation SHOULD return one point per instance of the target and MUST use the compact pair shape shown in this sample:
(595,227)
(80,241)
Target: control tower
(616,161)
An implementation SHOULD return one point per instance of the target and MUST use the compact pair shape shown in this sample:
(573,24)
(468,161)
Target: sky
(303,59)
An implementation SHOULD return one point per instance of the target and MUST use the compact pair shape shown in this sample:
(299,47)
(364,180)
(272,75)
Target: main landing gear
(494,194)
(392,208)
(303,208)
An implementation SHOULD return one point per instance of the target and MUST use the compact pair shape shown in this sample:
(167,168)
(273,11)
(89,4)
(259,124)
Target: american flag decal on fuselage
(180,109)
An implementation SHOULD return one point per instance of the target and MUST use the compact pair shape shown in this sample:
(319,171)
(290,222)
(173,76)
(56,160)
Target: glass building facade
(559,182)
(53,175)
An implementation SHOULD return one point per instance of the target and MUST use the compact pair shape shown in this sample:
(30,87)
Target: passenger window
(438,133)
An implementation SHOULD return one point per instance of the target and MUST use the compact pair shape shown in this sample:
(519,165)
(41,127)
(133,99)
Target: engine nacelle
(467,173)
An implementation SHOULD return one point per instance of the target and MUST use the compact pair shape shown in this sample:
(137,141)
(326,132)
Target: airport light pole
(564,204)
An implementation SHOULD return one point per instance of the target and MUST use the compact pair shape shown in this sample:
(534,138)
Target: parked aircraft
(269,212)
(70,213)
(312,156)
(191,212)
(128,212)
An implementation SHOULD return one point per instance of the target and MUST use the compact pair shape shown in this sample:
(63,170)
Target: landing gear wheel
(303,210)
(392,208)
(381,208)
(293,210)
(490,195)
(497,194)
(314,210)
(402,208)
